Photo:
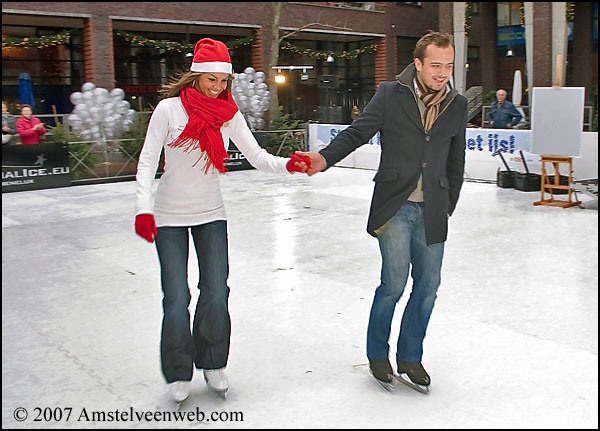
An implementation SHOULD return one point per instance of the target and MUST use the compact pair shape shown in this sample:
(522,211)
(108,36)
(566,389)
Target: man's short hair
(442,40)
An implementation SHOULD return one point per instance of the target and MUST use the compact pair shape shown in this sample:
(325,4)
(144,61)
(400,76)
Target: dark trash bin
(527,182)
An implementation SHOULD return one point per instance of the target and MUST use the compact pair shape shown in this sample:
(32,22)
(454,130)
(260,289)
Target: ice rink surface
(512,342)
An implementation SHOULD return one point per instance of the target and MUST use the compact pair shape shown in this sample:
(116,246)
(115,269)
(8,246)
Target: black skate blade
(403,378)
(387,386)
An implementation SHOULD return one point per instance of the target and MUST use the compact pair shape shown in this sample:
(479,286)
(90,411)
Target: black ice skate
(413,375)
(382,372)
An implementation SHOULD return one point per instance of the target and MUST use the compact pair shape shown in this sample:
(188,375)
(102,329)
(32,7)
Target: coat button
(427,138)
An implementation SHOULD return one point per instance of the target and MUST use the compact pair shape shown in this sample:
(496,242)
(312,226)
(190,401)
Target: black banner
(237,161)
(33,167)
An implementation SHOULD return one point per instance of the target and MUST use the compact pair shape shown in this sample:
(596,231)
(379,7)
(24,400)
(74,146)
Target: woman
(29,127)
(193,126)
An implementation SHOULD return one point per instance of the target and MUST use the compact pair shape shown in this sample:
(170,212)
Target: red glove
(145,226)
(297,158)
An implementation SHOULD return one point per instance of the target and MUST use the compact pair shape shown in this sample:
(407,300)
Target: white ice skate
(216,380)
(180,390)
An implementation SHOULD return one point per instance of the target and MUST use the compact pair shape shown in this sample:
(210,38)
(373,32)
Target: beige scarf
(432,100)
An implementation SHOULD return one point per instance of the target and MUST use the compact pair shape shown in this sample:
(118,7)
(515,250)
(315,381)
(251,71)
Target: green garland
(349,55)
(570,11)
(468,16)
(61,38)
(179,47)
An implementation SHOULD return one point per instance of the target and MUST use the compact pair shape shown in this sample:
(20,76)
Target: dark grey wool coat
(407,151)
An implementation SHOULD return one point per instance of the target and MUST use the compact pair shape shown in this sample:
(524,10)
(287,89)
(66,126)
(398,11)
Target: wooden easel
(556,160)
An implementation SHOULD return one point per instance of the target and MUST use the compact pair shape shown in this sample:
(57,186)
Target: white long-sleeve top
(186,196)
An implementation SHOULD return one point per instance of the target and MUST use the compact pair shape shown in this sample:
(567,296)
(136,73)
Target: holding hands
(316,162)
(307,162)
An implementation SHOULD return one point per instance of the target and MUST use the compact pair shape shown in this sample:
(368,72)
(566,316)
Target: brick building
(104,47)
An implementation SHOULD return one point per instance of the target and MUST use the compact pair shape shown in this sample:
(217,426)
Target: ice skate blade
(403,378)
(388,386)
(222,394)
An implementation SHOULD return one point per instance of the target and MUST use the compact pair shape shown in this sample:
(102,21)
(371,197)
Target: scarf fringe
(202,131)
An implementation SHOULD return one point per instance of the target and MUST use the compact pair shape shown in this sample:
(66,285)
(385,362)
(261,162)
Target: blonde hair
(185,80)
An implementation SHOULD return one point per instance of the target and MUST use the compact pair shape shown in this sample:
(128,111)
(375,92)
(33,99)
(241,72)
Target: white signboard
(557,121)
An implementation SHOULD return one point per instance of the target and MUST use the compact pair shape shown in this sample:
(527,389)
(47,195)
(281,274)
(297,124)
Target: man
(503,114)
(422,123)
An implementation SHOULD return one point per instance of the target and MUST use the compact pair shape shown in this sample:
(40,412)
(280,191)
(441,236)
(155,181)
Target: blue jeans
(402,244)
(208,345)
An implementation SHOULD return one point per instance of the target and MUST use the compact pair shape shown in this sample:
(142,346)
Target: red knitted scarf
(203,129)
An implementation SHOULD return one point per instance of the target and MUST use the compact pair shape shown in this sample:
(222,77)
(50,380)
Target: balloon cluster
(251,94)
(99,114)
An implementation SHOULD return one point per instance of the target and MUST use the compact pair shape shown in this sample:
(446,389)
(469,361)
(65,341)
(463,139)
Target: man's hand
(317,162)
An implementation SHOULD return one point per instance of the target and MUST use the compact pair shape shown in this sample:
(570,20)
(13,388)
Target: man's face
(26,112)
(436,68)
(501,95)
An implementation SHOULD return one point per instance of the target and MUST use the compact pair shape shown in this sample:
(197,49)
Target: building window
(141,70)
(404,52)
(56,71)
(510,40)
(333,88)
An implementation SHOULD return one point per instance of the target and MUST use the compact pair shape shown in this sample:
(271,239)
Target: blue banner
(494,140)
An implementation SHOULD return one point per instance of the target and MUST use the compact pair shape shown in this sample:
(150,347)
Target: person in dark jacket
(421,121)
(503,114)
(9,128)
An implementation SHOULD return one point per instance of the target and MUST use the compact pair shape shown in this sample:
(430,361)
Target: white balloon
(130,114)
(108,108)
(100,95)
(88,86)
(75,97)
(87,98)
(117,93)
(122,107)
(82,110)
(259,77)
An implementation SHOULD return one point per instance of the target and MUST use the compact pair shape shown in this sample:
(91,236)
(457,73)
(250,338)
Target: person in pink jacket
(29,127)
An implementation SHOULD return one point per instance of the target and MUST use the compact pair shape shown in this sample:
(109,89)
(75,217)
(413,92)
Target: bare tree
(276,40)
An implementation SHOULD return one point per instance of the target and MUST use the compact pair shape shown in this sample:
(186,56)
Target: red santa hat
(211,56)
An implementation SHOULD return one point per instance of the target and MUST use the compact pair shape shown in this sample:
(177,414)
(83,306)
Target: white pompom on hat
(211,56)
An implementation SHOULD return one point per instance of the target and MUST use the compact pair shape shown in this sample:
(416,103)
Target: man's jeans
(208,347)
(402,243)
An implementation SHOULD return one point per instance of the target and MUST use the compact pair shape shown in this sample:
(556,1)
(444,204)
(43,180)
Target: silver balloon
(100,114)
(122,106)
(259,77)
(81,109)
(75,97)
(100,95)
(88,86)
(117,93)
(87,98)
